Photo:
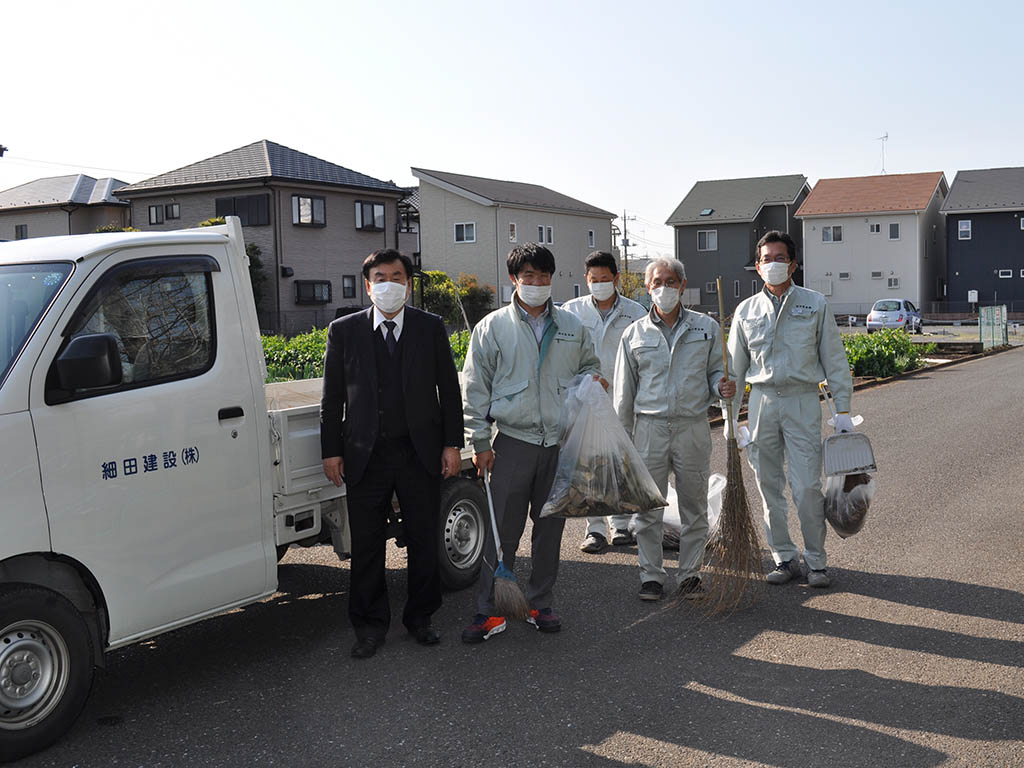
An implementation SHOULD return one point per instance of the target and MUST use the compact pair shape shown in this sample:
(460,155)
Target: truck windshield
(26,290)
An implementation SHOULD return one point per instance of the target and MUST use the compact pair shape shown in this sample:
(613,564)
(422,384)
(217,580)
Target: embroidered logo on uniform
(801,310)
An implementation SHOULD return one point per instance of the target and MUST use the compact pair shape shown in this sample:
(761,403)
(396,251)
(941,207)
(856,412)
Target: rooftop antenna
(883,138)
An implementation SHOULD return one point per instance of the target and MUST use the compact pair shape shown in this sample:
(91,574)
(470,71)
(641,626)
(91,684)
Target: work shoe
(650,590)
(545,619)
(482,628)
(818,577)
(594,544)
(692,589)
(784,571)
(622,537)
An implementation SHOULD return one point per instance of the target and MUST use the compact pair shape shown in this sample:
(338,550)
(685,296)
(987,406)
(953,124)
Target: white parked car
(894,313)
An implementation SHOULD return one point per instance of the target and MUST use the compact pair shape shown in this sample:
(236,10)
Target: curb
(718,421)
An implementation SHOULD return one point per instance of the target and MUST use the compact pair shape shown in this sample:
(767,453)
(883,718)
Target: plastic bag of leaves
(672,526)
(599,471)
(847,499)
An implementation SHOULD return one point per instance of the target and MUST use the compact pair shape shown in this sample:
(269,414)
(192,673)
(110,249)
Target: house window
(894,282)
(551,235)
(1022,273)
(348,286)
(876,275)
(844,275)
(590,238)
(465,232)
(540,234)
(20,231)
(172,211)
(369,216)
(964,229)
(253,210)
(894,231)
(833,234)
(710,288)
(707,239)
(1022,222)
(312,291)
(874,228)
(512,237)
(156,214)
(311,211)
(736,289)
(576,291)
(1004,273)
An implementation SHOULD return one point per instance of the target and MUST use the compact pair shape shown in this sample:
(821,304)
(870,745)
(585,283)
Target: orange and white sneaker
(545,620)
(482,627)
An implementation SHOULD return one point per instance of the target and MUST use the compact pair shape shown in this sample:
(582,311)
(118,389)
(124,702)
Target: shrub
(477,299)
(116,228)
(441,297)
(459,342)
(883,353)
(300,357)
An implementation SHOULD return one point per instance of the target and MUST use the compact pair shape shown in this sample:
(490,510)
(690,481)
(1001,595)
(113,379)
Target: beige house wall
(48,222)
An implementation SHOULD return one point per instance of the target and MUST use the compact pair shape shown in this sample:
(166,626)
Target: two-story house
(717,226)
(468,224)
(985,237)
(872,237)
(61,205)
(313,222)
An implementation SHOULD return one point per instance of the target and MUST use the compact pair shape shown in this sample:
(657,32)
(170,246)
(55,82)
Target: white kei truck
(149,477)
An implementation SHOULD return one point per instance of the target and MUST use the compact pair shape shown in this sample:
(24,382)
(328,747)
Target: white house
(468,224)
(870,237)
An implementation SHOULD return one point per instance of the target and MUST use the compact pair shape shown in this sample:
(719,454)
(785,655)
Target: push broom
(737,550)
(509,600)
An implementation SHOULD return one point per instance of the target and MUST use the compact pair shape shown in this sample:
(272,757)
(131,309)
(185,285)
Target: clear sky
(623,105)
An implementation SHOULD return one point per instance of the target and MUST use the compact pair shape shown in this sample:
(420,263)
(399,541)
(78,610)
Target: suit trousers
(393,469)
(520,483)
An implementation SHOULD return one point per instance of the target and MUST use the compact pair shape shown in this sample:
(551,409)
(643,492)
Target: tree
(477,300)
(441,297)
(631,285)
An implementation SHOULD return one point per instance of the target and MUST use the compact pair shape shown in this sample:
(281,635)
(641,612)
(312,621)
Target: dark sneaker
(594,544)
(482,628)
(818,578)
(545,619)
(622,537)
(785,571)
(692,589)
(651,590)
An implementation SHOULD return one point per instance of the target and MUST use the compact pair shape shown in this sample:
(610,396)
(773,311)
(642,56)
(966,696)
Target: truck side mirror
(89,361)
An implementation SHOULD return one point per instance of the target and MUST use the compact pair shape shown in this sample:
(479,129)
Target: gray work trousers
(520,483)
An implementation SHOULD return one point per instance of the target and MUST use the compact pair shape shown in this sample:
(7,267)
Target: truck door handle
(234,412)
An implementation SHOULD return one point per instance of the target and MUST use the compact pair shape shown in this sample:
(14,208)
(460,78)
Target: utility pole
(625,240)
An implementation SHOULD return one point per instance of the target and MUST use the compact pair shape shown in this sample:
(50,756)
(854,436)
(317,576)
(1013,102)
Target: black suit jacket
(348,407)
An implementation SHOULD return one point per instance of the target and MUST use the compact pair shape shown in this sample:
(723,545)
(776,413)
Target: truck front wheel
(461,546)
(46,668)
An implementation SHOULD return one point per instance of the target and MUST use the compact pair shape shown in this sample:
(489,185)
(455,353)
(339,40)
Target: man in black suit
(391,422)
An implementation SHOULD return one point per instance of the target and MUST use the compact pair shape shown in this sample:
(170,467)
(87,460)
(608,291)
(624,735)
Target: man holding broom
(783,342)
(668,372)
(520,363)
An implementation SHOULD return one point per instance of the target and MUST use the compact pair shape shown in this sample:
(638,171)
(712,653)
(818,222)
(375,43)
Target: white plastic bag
(672,527)
(599,470)
(847,500)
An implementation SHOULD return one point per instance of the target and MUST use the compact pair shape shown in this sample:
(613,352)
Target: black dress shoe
(426,635)
(365,647)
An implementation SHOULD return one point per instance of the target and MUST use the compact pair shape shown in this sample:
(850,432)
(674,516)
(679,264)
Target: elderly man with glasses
(783,342)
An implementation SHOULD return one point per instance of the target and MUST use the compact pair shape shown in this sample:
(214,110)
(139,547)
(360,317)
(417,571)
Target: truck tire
(461,542)
(46,668)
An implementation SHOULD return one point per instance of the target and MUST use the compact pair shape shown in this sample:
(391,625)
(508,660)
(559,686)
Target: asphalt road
(915,656)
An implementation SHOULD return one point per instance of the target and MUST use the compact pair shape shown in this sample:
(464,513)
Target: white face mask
(534,295)
(775,273)
(602,291)
(665,298)
(388,297)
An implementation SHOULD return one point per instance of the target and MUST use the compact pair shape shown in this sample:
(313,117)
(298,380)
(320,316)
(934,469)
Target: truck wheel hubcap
(33,673)
(462,537)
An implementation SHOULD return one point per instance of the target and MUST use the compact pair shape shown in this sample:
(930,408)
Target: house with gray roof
(313,222)
(985,237)
(61,205)
(718,224)
(468,224)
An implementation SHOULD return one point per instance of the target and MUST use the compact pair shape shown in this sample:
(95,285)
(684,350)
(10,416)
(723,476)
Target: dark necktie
(392,342)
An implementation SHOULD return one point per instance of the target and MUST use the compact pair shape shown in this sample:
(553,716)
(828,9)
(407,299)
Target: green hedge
(884,353)
(302,356)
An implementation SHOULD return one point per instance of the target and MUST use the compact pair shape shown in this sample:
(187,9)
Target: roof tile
(871,194)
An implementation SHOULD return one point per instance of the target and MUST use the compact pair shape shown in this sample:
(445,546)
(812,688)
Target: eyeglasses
(778,260)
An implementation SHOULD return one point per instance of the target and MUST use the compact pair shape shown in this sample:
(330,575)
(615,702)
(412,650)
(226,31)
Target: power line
(31,161)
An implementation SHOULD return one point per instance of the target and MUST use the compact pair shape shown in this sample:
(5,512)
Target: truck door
(154,483)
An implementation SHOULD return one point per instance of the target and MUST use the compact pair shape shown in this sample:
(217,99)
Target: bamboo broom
(737,550)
